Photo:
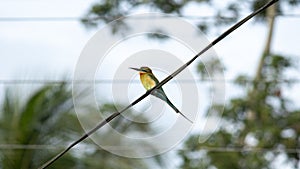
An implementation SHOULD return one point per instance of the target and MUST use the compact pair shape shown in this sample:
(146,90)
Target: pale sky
(36,47)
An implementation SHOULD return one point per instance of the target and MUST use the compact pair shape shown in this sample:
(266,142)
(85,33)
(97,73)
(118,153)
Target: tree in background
(35,129)
(262,114)
(105,11)
(44,118)
(256,125)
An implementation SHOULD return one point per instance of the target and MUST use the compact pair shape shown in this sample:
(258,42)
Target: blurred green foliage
(105,11)
(262,114)
(35,129)
(261,120)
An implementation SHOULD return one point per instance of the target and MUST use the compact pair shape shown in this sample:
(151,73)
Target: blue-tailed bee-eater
(149,81)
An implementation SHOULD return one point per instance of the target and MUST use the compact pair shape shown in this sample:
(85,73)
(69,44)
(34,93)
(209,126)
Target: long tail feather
(185,117)
(176,110)
(161,94)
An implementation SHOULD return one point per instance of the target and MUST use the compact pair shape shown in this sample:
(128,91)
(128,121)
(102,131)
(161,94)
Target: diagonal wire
(101,124)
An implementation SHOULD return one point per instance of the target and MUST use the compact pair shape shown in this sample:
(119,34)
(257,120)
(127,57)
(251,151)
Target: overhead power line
(110,81)
(105,148)
(116,114)
(79,19)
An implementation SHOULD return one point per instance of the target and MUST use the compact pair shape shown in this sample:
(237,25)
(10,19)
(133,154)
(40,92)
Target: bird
(149,81)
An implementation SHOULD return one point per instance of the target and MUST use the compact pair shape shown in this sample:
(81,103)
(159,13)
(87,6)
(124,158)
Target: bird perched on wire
(149,81)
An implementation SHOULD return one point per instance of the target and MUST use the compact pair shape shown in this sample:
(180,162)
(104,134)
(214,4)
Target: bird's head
(142,69)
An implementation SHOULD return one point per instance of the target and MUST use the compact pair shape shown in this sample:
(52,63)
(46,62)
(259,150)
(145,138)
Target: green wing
(154,78)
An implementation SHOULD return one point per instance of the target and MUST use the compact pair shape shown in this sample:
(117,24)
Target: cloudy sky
(33,49)
(49,49)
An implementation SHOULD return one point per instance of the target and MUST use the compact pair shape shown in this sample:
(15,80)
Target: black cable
(222,36)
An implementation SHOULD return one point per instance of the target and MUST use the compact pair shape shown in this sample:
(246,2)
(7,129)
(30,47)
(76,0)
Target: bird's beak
(135,69)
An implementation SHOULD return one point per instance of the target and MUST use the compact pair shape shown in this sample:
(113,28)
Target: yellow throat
(147,81)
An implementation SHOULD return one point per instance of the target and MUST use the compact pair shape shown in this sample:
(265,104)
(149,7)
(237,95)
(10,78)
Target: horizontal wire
(248,149)
(27,147)
(109,81)
(72,19)
(126,148)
